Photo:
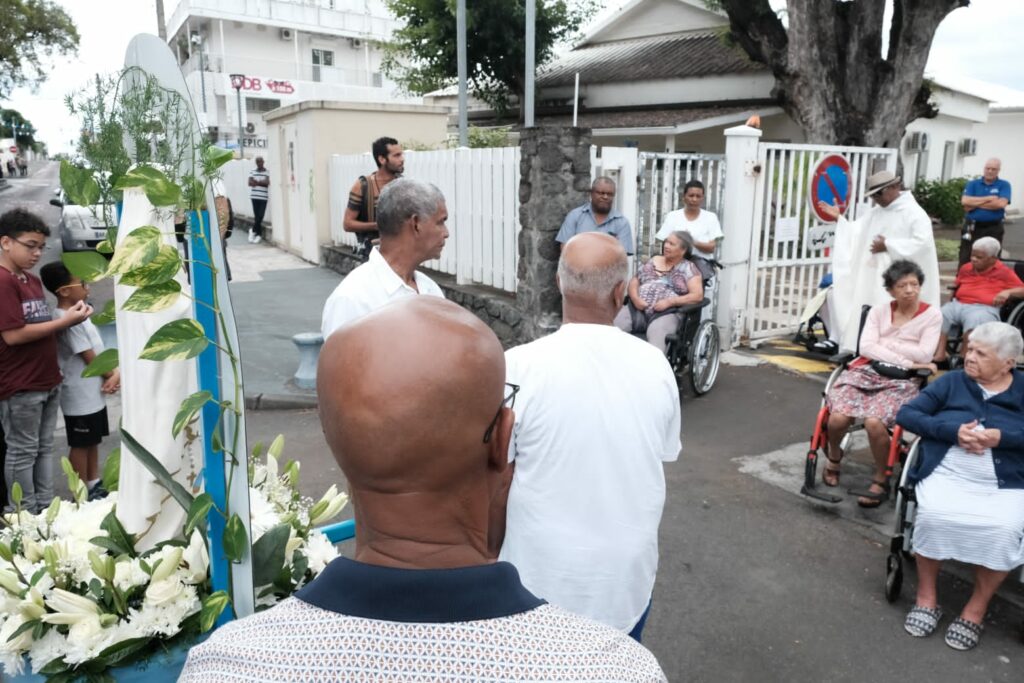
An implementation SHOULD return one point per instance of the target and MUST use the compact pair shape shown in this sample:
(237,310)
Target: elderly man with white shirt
(411,218)
(597,415)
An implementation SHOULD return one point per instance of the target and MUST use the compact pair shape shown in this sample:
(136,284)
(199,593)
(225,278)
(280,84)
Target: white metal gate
(661,178)
(785,267)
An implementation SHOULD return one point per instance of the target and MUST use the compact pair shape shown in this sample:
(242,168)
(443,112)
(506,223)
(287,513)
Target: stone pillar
(554,179)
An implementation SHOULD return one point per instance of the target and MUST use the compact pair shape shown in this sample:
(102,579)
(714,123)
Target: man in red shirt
(982,287)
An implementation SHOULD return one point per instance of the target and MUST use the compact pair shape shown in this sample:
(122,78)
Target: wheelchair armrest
(690,308)
(923,372)
(842,358)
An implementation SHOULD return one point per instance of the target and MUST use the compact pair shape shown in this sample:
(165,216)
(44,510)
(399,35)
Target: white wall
(1001,137)
(928,165)
(656,17)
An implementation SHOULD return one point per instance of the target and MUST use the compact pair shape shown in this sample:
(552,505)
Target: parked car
(81,227)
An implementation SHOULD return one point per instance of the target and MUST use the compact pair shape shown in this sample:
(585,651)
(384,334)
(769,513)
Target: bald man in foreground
(414,406)
(597,416)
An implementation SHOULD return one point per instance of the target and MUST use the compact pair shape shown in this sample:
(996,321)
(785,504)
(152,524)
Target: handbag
(891,371)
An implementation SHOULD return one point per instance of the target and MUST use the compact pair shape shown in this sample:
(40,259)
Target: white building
(657,75)
(289,51)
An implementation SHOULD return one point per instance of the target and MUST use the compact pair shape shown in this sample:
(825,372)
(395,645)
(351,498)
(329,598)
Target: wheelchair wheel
(893,577)
(704,358)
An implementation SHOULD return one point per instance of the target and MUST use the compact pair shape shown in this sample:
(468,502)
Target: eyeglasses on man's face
(35,247)
(510,399)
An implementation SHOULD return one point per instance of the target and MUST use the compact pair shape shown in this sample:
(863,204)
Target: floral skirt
(861,392)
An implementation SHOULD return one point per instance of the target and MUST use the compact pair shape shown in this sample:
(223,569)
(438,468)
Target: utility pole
(531,20)
(161,28)
(460,31)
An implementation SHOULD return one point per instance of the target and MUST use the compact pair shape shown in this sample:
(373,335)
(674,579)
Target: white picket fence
(481,189)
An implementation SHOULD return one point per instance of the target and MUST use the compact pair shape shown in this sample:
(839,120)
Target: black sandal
(833,471)
(872,499)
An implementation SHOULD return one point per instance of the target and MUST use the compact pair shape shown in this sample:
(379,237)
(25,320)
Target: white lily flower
(69,608)
(334,503)
(32,551)
(10,582)
(197,558)
(19,644)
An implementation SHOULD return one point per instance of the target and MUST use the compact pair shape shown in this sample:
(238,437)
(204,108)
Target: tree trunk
(830,74)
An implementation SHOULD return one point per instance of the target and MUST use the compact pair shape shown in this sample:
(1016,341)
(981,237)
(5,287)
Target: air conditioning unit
(968,147)
(250,128)
(287,34)
(355,43)
(917,142)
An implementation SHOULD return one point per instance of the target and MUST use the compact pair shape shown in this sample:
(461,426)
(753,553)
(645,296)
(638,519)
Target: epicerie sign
(271,85)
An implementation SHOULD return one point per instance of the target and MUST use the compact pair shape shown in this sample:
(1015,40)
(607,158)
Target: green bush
(947,250)
(941,199)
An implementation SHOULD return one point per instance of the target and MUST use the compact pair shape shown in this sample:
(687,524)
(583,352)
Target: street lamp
(237,81)
(197,40)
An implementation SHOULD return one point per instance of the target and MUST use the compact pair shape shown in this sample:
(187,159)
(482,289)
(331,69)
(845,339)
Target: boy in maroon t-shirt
(29,374)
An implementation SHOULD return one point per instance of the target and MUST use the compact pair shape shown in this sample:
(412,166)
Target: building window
(321,58)
(260,105)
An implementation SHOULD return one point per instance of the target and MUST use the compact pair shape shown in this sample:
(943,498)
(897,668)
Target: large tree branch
(758,30)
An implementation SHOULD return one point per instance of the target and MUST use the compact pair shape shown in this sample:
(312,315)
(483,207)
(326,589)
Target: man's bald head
(406,394)
(592,266)
(991,169)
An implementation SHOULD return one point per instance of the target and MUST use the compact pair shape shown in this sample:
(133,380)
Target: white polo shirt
(597,415)
(704,229)
(366,289)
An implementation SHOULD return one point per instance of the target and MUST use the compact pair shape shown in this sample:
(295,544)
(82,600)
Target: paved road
(755,582)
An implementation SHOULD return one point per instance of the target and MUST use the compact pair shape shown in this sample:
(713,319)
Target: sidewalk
(275,295)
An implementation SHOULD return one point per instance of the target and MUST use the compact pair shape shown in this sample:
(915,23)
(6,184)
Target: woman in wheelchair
(898,337)
(663,284)
(969,478)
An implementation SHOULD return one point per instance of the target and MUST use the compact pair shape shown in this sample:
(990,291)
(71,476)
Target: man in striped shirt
(259,192)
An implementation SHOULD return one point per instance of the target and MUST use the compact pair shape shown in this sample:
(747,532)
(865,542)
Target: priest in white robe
(895,228)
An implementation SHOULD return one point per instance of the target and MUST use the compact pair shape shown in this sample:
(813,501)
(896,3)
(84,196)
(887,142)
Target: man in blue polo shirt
(415,408)
(985,200)
(598,215)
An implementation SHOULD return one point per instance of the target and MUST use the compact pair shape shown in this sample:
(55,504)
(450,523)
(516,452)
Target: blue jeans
(28,419)
(639,628)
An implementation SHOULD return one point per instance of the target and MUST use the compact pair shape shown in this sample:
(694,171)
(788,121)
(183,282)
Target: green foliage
(152,298)
(488,137)
(158,188)
(213,605)
(197,512)
(941,199)
(103,363)
(188,410)
(139,248)
(79,184)
(164,266)
(235,539)
(947,250)
(14,125)
(87,265)
(422,54)
(268,554)
(33,31)
(112,469)
(177,340)
(107,315)
(159,472)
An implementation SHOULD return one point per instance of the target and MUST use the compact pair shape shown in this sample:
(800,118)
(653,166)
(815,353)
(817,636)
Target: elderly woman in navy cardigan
(969,478)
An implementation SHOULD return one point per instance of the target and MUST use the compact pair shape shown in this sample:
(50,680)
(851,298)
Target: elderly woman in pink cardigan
(902,333)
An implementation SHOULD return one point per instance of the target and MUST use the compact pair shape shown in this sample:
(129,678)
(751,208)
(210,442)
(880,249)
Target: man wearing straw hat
(895,228)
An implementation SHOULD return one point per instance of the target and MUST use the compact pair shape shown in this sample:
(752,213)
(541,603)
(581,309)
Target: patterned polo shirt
(360,622)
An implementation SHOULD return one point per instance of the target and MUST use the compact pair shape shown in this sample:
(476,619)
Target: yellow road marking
(799,364)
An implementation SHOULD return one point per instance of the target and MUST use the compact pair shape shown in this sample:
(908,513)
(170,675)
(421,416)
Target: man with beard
(361,212)
(598,215)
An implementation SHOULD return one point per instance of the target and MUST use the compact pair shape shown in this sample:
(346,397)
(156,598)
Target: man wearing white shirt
(702,225)
(598,413)
(411,218)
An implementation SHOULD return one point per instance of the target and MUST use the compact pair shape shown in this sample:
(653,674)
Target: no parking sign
(831,184)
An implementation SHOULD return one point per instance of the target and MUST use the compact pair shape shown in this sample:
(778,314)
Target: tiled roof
(650,118)
(675,55)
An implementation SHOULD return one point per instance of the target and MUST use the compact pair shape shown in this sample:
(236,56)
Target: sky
(965,50)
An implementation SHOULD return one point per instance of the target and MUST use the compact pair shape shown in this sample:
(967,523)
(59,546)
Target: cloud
(104,29)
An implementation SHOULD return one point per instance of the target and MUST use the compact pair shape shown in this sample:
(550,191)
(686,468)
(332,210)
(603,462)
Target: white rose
(163,592)
(86,633)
